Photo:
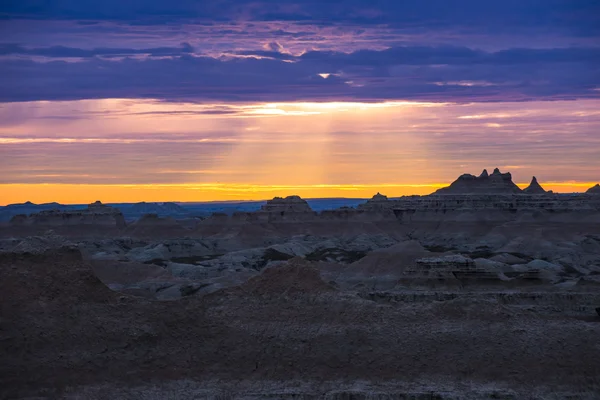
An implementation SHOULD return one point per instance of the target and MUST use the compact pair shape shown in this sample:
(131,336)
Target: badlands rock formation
(594,189)
(291,207)
(11,210)
(66,335)
(290,204)
(497,182)
(397,298)
(534,187)
(96,214)
(378,201)
(151,225)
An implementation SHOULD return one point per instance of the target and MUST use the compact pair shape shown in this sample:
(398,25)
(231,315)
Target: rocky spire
(534,187)
(497,182)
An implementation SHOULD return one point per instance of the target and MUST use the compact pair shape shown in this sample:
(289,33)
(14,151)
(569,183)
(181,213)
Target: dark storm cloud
(263,50)
(447,74)
(579,15)
(453,56)
(72,52)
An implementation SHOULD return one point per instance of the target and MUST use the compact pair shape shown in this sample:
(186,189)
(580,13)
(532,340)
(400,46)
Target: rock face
(459,270)
(295,277)
(443,270)
(293,204)
(48,241)
(497,182)
(534,187)
(7,212)
(376,203)
(594,189)
(502,202)
(291,208)
(96,214)
(446,263)
(153,225)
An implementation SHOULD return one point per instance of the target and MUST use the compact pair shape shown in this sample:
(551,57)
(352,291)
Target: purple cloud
(431,73)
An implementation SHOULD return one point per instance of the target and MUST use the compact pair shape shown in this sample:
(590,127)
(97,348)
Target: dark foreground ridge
(66,334)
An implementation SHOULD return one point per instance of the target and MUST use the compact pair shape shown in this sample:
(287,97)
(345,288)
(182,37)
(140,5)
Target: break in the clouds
(133,142)
(300,50)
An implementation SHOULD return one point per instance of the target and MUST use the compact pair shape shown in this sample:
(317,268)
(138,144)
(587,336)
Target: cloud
(556,141)
(577,15)
(71,52)
(404,72)
(453,55)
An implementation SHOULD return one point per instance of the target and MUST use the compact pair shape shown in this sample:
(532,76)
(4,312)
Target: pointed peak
(379,196)
(484,174)
(496,171)
(534,187)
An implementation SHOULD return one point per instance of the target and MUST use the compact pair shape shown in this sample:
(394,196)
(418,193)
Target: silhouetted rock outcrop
(497,182)
(377,203)
(291,208)
(95,214)
(594,189)
(534,187)
(294,204)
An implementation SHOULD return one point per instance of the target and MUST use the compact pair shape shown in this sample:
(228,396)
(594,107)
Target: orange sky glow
(127,150)
(83,194)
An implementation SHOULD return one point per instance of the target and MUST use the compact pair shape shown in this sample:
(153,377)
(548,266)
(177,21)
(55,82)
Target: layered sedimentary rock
(492,197)
(534,187)
(440,270)
(96,214)
(497,182)
(456,269)
(498,207)
(377,207)
(48,241)
(153,225)
(290,204)
(9,211)
(359,301)
(290,209)
(378,202)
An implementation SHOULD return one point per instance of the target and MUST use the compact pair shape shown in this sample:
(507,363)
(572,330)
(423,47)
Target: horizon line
(81,194)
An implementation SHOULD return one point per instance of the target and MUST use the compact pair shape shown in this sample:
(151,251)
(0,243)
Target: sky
(236,100)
